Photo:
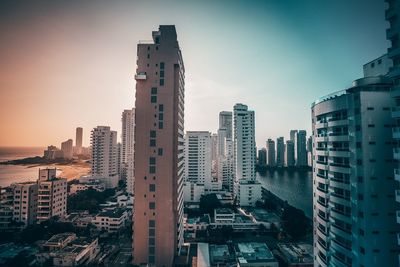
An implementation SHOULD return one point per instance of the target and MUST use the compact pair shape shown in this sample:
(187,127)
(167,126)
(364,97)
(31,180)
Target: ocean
(17,173)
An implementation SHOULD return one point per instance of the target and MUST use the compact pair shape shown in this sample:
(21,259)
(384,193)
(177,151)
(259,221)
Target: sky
(65,64)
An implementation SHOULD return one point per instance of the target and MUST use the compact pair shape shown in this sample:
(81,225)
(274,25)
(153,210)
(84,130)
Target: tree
(295,223)
(208,203)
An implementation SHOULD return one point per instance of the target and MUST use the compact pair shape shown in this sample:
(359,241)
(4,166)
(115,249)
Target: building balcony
(397,174)
(392,52)
(390,33)
(389,13)
(398,195)
(333,123)
(396,112)
(140,76)
(321,124)
(396,153)
(396,132)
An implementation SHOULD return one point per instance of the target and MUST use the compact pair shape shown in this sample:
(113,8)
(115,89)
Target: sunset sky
(65,64)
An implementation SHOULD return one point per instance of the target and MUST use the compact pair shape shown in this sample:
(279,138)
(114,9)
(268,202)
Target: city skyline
(46,42)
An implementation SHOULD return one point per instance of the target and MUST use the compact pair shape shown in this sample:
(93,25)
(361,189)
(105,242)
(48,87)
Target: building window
(153,99)
(153,134)
(161,82)
(160,125)
(160,151)
(152,205)
(161,107)
(152,223)
(162,74)
(152,142)
(152,187)
(154,90)
(152,160)
(152,169)
(162,65)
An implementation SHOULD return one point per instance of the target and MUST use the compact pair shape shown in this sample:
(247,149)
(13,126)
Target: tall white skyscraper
(104,155)
(354,207)
(289,154)
(127,150)
(280,152)
(198,153)
(247,189)
(271,162)
(225,121)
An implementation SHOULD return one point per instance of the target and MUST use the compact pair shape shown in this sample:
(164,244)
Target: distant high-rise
(247,188)
(309,151)
(262,157)
(392,15)
(354,207)
(293,135)
(289,154)
(78,138)
(271,153)
(67,149)
(104,155)
(225,121)
(159,150)
(198,158)
(280,152)
(300,148)
(127,149)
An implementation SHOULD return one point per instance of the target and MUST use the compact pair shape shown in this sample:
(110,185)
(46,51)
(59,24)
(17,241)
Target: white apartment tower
(225,121)
(104,155)
(52,195)
(128,146)
(67,149)
(198,154)
(354,207)
(25,202)
(392,15)
(247,189)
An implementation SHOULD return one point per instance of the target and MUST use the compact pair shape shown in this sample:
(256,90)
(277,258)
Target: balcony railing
(141,76)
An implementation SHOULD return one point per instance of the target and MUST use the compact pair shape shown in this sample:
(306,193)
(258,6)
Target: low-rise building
(248,192)
(220,255)
(192,192)
(111,220)
(224,216)
(59,241)
(296,255)
(254,254)
(198,223)
(93,184)
(80,252)
(25,196)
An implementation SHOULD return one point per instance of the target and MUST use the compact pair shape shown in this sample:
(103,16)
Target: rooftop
(220,254)
(117,213)
(224,211)
(296,253)
(253,252)
(60,238)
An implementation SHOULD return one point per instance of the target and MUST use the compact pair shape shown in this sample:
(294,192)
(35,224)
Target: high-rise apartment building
(52,195)
(247,188)
(127,149)
(78,139)
(159,150)
(262,157)
(222,135)
(300,148)
(280,152)
(225,121)
(25,202)
(289,154)
(67,149)
(309,151)
(104,155)
(214,154)
(293,135)
(392,15)
(271,162)
(354,207)
(198,158)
